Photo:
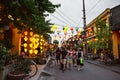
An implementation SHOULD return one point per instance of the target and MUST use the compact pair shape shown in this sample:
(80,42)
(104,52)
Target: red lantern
(11,25)
(83,36)
(65,33)
(71,28)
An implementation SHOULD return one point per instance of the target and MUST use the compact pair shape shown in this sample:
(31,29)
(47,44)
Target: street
(89,72)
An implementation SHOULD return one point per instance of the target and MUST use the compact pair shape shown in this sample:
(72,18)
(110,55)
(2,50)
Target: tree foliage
(28,14)
(103,36)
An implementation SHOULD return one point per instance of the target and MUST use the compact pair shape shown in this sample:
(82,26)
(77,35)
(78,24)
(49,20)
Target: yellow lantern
(25,38)
(25,50)
(96,39)
(36,39)
(102,39)
(31,45)
(40,47)
(25,44)
(31,39)
(30,51)
(35,51)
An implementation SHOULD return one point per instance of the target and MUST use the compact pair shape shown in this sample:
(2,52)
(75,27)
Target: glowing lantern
(31,45)
(37,39)
(35,51)
(80,29)
(30,51)
(88,41)
(31,33)
(98,28)
(96,39)
(25,44)
(25,50)
(31,39)
(40,47)
(25,38)
(25,33)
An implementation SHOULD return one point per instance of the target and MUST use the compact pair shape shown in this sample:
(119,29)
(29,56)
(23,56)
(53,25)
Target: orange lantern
(71,28)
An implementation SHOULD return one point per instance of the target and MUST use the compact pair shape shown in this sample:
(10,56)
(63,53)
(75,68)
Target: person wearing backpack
(80,62)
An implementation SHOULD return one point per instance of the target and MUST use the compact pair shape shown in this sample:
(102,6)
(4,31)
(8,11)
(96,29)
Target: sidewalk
(114,67)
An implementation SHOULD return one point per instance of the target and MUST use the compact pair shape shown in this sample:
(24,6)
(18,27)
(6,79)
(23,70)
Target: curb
(47,73)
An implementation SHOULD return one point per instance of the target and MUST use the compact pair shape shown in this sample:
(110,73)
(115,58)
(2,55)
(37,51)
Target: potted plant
(21,68)
(4,61)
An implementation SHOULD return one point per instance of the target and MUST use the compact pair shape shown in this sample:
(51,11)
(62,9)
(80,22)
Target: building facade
(112,19)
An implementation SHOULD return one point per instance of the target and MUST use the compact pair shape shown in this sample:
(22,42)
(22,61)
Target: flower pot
(12,76)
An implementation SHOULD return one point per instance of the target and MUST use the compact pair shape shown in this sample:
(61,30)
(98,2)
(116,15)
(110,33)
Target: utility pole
(84,15)
(85,50)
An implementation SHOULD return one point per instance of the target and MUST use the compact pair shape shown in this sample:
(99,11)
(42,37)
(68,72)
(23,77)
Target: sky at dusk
(71,12)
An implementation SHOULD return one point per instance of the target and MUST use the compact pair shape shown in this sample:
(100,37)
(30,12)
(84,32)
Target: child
(69,60)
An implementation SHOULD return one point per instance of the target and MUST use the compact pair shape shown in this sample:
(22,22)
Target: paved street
(89,72)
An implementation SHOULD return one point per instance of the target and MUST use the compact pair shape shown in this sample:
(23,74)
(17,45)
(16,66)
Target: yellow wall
(115,44)
(16,40)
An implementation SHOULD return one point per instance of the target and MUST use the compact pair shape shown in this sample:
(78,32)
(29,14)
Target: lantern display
(31,42)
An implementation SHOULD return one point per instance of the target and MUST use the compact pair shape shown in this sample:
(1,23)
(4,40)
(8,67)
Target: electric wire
(60,20)
(93,7)
(66,16)
(63,18)
(90,10)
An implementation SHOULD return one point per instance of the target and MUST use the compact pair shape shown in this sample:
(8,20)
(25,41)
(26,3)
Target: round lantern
(71,28)
(83,36)
(31,33)
(25,33)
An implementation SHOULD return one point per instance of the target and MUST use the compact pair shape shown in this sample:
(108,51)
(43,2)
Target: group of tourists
(67,59)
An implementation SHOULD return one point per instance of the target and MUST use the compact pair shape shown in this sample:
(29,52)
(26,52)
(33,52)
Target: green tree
(103,36)
(27,14)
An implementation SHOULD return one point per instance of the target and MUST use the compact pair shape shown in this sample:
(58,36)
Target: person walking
(69,60)
(79,59)
(64,60)
(58,53)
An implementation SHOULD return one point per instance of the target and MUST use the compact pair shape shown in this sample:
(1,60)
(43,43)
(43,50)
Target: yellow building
(91,30)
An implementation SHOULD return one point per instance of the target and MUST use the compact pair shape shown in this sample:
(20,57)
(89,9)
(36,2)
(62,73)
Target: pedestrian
(69,60)
(74,58)
(58,53)
(79,59)
(64,60)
